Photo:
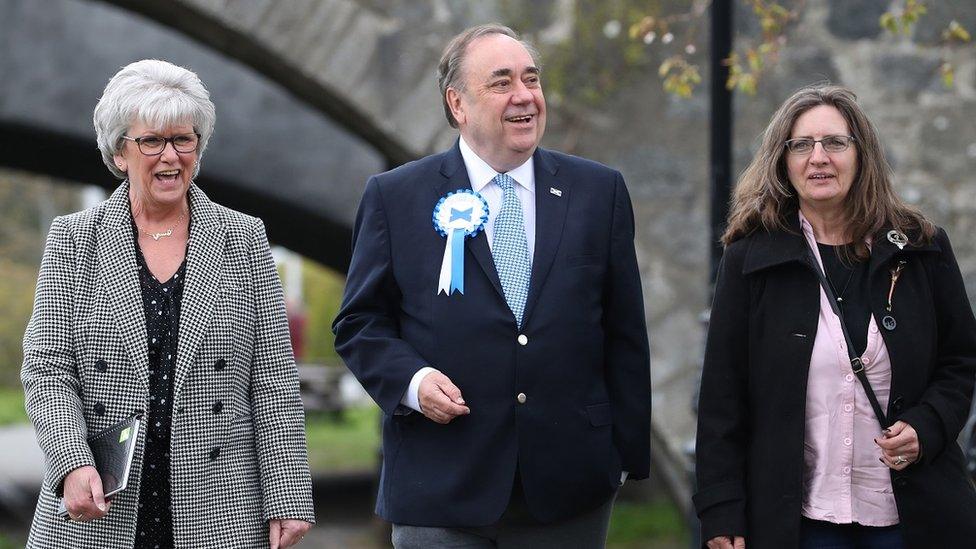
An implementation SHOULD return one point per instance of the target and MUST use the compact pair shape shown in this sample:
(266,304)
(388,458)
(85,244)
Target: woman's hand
(899,446)
(287,532)
(727,542)
(83,497)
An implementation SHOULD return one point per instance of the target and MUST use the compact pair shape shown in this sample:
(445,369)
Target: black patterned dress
(154,528)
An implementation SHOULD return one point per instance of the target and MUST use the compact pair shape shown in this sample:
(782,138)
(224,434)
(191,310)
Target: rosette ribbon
(458,215)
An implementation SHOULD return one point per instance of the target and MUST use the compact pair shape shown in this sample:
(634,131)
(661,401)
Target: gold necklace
(167,232)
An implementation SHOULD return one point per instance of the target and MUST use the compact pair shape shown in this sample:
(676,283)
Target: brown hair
(765,198)
(450,73)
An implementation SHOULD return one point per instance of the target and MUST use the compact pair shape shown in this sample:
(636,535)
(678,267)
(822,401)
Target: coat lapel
(550,216)
(204,262)
(118,272)
(456,177)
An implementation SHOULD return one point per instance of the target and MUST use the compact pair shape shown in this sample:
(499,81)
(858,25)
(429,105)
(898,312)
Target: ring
(79,517)
(899,460)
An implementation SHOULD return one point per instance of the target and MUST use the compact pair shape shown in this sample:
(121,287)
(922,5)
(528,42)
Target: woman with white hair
(160,303)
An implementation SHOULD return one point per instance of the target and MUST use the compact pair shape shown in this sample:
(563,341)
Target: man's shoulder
(572,162)
(406,174)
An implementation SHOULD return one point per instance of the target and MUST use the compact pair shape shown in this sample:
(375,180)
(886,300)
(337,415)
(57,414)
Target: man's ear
(454,102)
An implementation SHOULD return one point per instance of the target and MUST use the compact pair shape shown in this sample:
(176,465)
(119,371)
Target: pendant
(889,323)
(157,236)
(897,238)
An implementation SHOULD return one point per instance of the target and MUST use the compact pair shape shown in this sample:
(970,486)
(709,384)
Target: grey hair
(450,73)
(157,93)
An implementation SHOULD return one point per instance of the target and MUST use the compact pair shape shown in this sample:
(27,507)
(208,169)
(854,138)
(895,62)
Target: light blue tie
(510,249)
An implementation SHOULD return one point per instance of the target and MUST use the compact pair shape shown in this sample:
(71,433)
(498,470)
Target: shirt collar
(481,174)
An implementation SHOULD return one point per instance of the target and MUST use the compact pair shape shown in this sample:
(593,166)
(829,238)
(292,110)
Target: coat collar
(549,218)
(772,248)
(118,272)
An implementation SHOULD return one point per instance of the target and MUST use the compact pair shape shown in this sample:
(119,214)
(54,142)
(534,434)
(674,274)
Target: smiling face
(501,112)
(821,179)
(160,182)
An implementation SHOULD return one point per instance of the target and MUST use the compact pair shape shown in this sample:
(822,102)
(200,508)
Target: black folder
(113,450)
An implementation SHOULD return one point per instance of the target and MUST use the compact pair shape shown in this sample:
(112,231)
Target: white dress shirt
(481,176)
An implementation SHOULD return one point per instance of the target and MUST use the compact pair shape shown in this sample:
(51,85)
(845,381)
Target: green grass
(11,409)
(349,444)
(645,525)
(10,542)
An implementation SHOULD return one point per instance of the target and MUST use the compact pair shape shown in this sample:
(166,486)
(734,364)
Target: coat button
(217,407)
(219,365)
(897,405)
(521,398)
(523,339)
(214,453)
(100,365)
(99,409)
(901,482)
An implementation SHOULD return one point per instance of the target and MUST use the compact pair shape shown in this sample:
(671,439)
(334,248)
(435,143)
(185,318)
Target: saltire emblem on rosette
(458,215)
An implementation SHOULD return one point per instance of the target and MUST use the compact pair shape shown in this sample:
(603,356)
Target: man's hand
(899,446)
(727,542)
(83,497)
(286,532)
(440,400)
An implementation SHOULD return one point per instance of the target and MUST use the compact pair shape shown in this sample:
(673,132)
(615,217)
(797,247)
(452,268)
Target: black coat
(753,392)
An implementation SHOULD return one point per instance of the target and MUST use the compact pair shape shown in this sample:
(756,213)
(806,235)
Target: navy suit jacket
(584,369)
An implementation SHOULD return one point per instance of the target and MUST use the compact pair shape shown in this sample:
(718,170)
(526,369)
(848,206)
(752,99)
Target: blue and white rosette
(458,215)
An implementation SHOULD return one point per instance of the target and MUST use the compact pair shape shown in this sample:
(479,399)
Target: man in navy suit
(514,408)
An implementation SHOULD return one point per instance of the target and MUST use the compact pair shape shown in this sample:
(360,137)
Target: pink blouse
(843,480)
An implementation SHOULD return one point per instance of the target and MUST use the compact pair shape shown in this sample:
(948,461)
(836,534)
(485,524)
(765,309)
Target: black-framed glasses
(830,143)
(152,145)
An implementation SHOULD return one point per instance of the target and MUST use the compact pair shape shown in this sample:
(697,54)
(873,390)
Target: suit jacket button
(901,482)
(100,365)
(217,407)
(523,339)
(219,365)
(521,398)
(99,409)
(214,453)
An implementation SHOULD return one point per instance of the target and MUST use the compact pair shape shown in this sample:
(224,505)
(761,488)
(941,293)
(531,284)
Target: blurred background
(313,96)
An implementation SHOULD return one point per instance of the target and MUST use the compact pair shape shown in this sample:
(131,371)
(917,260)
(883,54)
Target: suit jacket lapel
(456,177)
(118,272)
(550,216)
(204,262)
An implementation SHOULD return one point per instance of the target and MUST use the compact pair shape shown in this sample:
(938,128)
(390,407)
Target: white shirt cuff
(623,476)
(411,399)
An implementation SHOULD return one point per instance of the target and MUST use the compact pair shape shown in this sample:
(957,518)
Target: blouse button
(100,365)
(848,407)
(849,378)
(847,441)
(214,454)
(217,407)
(99,409)
(866,361)
(219,365)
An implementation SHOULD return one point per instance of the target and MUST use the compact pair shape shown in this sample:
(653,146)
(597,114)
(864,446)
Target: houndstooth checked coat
(234,466)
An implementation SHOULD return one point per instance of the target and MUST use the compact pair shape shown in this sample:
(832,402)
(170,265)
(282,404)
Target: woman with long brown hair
(841,354)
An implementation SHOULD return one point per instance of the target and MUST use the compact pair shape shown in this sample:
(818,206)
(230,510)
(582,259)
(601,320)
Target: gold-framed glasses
(830,144)
(153,145)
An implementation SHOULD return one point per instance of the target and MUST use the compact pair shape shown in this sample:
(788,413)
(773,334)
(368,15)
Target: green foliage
(322,291)
(17,282)
(7,541)
(901,21)
(680,77)
(12,407)
(347,443)
(597,58)
(955,33)
(27,204)
(656,523)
